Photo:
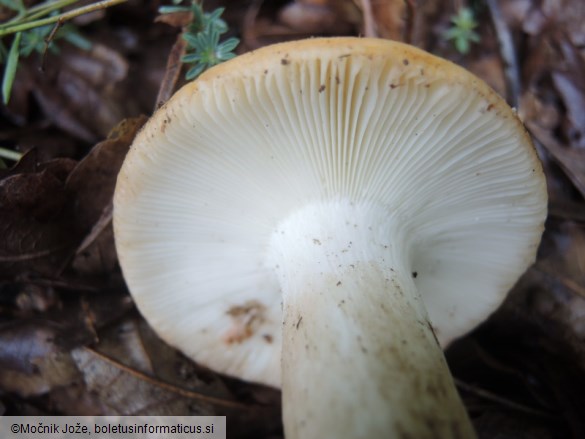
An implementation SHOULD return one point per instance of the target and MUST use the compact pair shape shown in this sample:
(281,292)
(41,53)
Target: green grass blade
(9,154)
(10,69)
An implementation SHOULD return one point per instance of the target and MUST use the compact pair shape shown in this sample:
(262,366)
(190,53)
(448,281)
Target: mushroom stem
(360,358)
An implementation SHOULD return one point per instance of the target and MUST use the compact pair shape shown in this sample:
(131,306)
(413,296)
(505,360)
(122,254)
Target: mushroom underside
(302,178)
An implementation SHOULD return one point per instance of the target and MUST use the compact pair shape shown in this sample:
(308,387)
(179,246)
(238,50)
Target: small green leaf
(10,69)
(462,32)
(453,33)
(214,16)
(219,25)
(198,17)
(465,19)
(462,45)
(34,40)
(228,56)
(203,35)
(191,39)
(173,9)
(191,58)
(193,72)
(474,37)
(229,45)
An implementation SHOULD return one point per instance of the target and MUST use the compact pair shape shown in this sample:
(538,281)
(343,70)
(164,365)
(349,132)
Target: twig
(104,221)
(507,52)
(48,42)
(30,256)
(172,71)
(89,320)
(61,284)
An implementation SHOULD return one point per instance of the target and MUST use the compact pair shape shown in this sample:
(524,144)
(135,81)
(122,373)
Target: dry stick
(89,320)
(507,52)
(569,210)
(485,394)
(369,26)
(61,284)
(172,71)
(411,10)
(565,281)
(104,221)
(48,41)
(33,255)
(250,38)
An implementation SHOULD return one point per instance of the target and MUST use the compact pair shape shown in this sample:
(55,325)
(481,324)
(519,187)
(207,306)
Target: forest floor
(71,340)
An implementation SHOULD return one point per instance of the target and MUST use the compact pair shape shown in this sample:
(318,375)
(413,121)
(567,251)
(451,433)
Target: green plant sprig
(202,35)
(36,28)
(23,24)
(34,12)
(462,32)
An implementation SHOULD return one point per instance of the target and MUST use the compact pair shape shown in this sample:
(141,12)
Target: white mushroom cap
(216,172)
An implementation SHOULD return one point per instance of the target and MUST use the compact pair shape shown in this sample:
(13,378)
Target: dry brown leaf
(31,362)
(37,232)
(81,93)
(91,187)
(175,19)
(127,391)
(309,18)
(545,114)
(268,22)
(131,371)
(565,256)
(572,160)
(97,254)
(23,342)
(388,17)
(52,371)
(102,67)
(550,351)
(531,355)
(137,346)
(93,180)
(490,69)
(569,210)
(568,79)
(566,16)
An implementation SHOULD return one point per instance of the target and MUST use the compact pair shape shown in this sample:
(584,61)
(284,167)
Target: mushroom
(325,215)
